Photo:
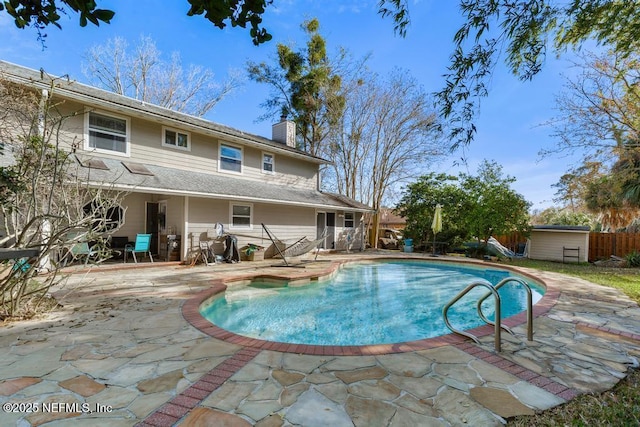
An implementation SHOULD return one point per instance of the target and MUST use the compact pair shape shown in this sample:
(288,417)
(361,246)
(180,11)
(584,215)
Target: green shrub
(633,259)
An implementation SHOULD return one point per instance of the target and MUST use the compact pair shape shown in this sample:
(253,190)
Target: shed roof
(568,228)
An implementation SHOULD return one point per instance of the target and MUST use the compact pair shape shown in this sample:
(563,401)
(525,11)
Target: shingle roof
(188,183)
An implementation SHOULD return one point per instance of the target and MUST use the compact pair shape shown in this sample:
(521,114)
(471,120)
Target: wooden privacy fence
(601,245)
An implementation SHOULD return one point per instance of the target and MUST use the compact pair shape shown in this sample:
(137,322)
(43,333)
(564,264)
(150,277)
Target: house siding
(548,245)
(146,147)
(287,224)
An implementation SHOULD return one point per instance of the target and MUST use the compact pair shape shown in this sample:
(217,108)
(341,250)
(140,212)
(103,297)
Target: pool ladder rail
(493,290)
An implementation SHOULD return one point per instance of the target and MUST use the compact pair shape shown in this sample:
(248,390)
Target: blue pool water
(365,303)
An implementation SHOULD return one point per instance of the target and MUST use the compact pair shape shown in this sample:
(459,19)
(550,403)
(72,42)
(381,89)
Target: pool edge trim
(191,313)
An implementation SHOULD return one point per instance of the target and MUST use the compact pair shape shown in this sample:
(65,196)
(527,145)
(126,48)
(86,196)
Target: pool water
(365,303)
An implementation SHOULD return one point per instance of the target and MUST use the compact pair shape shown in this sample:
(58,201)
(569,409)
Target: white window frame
(273,163)
(220,168)
(231,216)
(353,219)
(87,147)
(177,132)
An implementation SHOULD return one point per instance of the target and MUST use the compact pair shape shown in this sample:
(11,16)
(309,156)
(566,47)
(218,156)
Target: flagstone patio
(127,348)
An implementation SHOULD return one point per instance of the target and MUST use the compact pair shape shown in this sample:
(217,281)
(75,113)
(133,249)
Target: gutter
(152,190)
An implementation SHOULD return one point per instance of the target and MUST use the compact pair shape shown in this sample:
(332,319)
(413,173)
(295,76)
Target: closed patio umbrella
(436,225)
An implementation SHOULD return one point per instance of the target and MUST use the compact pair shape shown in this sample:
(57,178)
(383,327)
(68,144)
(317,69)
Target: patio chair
(78,250)
(142,245)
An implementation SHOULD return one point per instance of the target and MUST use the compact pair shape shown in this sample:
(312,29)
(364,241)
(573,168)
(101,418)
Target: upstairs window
(176,139)
(230,158)
(267,163)
(107,133)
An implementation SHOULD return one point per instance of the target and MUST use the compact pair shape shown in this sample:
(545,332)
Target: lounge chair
(142,245)
(77,250)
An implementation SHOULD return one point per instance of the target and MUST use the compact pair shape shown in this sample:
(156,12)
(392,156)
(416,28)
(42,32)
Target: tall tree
(386,136)
(305,86)
(143,74)
(572,186)
(599,108)
(600,118)
(493,208)
(418,204)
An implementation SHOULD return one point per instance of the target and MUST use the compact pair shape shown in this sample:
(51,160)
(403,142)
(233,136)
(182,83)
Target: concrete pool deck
(126,348)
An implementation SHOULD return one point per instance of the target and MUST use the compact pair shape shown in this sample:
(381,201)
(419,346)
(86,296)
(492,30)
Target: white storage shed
(560,243)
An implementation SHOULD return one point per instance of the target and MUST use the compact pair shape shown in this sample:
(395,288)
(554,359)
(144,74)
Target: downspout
(185,229)
(45,261)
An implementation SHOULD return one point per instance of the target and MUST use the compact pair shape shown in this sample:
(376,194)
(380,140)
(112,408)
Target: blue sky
(510,127)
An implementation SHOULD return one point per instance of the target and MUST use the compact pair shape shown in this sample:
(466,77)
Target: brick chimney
(284,132)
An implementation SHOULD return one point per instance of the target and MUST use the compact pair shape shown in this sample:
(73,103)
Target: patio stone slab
(420,406)
(202,417)
(164,382)
(406,418)
(460,409)
(118,397)
(287,378)
(290,394)
(9,387)
(39,418)
(422,388)
(130,374)
(349,363)
(267,391)
(83,385)
(499,402)
(210,348)
(535,397)
(229,395)
(301,362)
(270,421)
(144,404)
(378,390)
(407,364)
(306,410)
(369,413)
(252,372)
(259,410)
(372,373)
(461,373)
(337,391)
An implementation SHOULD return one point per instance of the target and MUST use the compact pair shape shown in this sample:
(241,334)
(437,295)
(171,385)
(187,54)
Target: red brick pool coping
(191,313)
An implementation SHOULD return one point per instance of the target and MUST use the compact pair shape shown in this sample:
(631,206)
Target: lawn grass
(625,279)
(619,406)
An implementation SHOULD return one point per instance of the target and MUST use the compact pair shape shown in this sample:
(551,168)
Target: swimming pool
(364,304)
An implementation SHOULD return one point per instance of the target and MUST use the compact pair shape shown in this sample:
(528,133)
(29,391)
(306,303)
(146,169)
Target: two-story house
(184,174)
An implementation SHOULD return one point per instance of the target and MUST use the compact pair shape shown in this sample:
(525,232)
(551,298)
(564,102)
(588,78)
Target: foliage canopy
(473,206)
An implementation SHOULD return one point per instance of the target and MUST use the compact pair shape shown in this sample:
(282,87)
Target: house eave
(208,195)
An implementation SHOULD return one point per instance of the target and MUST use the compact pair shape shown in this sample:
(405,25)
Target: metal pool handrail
(529,305)
(497,327)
